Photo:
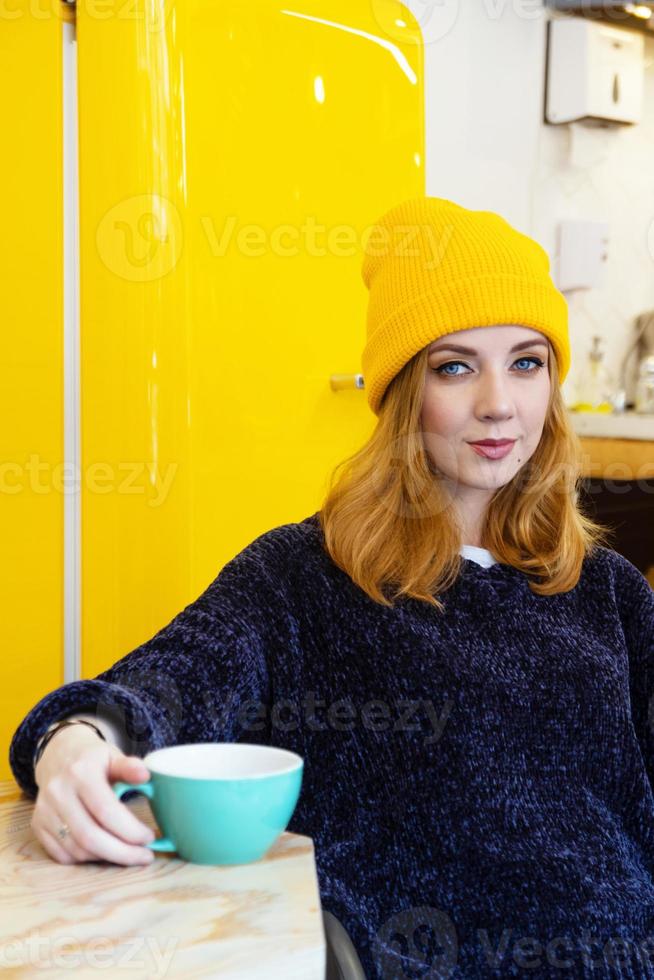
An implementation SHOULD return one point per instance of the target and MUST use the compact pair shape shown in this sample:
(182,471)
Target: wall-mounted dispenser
(594,73)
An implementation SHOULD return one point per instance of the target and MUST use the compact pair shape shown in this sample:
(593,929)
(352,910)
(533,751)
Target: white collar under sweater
(481,555)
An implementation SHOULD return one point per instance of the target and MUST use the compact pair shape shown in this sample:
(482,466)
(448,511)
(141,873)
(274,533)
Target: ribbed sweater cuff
(145,727)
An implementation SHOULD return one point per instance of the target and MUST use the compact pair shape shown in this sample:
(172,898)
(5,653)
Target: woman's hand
(74,776)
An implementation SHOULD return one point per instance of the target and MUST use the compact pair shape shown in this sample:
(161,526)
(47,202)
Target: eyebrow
(469,350)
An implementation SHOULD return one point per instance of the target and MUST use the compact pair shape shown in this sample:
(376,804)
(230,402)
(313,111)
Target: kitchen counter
(168,919)
(615,446)
(613,425)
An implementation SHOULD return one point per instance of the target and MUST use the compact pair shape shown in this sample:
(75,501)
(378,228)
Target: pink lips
(490,451)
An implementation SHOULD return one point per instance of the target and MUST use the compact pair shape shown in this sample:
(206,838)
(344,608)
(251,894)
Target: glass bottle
(645,386)
(596,387)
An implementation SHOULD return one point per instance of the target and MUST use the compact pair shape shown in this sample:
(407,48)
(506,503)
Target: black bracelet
(57,728)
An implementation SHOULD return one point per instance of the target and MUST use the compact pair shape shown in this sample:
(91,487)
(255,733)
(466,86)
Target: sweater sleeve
(637,613)
(203,677)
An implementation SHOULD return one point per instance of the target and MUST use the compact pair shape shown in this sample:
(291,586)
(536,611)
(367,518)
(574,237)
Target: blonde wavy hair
(387,521)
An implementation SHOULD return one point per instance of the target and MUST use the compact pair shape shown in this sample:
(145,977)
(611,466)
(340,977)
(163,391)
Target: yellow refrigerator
(186,202)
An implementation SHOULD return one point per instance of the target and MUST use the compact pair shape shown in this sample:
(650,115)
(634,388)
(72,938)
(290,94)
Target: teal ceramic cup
(220,802)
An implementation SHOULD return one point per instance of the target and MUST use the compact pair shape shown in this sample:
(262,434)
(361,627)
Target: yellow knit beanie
(434,267)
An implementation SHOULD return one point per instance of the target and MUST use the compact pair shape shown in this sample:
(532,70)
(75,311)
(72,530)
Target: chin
(488,481)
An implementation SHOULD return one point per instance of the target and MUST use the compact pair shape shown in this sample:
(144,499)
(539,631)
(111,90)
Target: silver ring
(63,831)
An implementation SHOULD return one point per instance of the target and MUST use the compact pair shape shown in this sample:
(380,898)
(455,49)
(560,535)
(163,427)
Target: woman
(463,665)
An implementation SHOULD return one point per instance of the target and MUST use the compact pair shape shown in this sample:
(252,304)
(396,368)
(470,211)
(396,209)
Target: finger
(67,843)
(50,841)
(53,848)
(112,814)
(90,836)
(70,844)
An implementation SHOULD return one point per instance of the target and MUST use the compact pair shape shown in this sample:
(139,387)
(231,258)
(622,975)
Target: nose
(494,395)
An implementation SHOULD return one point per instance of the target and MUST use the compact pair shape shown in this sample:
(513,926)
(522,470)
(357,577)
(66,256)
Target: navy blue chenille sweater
(477,782)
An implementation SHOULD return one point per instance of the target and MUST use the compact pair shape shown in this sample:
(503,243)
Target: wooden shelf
(617,459)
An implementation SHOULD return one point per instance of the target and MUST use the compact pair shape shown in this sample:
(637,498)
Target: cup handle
(161,843)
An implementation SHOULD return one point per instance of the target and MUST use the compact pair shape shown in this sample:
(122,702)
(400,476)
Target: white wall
(489,148)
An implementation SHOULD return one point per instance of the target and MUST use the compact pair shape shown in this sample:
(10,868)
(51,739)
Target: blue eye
(528,360)
(532,360)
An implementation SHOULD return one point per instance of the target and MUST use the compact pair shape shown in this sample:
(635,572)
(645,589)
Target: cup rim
(295,761)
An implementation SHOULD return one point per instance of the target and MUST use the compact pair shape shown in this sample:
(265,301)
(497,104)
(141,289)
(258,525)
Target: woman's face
(488,392)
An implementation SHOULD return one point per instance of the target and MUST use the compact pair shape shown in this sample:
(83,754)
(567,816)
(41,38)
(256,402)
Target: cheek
(441,414)
(537,411)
